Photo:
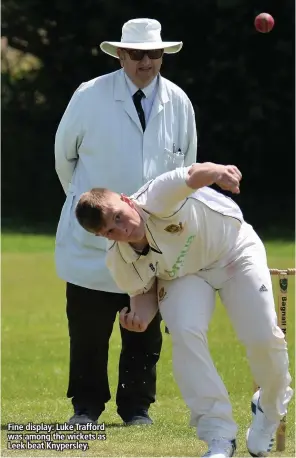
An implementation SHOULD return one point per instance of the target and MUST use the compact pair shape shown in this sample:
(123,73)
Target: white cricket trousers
(187,306)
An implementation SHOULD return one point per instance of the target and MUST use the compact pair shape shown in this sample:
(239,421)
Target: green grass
(35,362)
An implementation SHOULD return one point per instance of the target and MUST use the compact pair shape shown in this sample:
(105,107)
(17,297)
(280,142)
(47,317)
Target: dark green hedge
(241,83)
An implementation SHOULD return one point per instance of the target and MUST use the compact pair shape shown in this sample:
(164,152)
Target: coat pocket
(173,160)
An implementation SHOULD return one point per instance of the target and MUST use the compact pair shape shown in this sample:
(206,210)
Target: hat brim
(169,47)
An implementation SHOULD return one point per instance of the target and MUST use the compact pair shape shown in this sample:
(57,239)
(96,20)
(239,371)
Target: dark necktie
(137,97)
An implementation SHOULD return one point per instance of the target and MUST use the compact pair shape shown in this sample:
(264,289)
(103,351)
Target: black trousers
(91,315)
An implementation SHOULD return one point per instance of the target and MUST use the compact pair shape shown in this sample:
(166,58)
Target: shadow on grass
(29,229)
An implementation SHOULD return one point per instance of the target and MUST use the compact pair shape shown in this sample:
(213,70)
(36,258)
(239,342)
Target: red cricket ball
(264,22)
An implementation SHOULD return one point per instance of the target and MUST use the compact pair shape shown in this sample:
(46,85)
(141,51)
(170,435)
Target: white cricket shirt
(187,231)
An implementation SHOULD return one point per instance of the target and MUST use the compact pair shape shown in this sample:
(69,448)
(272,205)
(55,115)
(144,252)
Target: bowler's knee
(269,346)
(270,336)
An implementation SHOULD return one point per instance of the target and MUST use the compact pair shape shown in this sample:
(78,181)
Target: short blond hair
(90,209)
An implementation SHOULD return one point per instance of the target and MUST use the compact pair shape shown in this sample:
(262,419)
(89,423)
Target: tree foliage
(241,84)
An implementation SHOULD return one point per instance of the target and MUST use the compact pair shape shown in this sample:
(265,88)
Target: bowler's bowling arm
(167,192)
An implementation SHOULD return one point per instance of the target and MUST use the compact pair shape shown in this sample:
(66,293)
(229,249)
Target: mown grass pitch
(35,362)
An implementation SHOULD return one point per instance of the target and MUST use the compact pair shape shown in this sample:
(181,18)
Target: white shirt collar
(126,250)
(148,90)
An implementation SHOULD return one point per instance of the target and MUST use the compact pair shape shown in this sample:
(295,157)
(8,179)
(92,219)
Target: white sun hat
(141,34)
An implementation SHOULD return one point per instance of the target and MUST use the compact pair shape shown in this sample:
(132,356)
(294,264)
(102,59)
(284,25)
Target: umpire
(118,131)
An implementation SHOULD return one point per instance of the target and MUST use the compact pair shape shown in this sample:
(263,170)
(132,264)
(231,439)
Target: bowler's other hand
(131,321)
(229,178)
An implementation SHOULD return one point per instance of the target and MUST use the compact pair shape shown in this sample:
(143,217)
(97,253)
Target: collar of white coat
(148,91)
(121,92)
(128,254)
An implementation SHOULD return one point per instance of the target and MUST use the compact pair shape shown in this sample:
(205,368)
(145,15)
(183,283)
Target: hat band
(141,38)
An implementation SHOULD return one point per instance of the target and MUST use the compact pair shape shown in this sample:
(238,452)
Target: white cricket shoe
(261,434)
(221,448)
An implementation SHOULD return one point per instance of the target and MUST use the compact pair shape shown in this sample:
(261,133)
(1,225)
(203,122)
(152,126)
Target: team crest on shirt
(175,228)
(161,294)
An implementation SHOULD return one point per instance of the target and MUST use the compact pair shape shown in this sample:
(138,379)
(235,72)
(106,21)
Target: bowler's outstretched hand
(229,178)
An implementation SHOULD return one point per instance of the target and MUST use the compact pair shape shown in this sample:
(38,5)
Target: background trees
(241,84)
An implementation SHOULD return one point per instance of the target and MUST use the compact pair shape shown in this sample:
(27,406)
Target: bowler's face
(122,221)
(140,72)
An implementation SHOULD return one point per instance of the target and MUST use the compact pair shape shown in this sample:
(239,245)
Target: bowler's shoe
(261,434)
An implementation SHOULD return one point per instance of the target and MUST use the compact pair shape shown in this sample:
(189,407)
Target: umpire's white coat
(100,143)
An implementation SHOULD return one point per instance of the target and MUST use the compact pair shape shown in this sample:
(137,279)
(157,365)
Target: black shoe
(82,418)
(140,417)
